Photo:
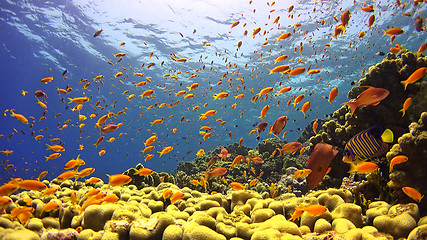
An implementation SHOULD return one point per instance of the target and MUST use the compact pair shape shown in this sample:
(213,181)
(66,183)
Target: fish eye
(347,153)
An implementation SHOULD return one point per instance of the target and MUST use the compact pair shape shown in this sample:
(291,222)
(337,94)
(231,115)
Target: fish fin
(383,149)
(352,168)
(387,135)
(405,84)
(206,175)
(352,105)
(375,104)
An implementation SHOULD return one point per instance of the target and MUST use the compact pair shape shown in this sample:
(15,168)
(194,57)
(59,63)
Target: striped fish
(367,144)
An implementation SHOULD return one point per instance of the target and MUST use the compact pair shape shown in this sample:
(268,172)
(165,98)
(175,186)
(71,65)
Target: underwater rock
(419,232)
(414,146)
(399,221)
(95,216)
(349,211)
(21,234)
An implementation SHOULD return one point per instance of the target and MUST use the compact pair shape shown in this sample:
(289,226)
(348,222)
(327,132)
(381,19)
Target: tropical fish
(367,144)
(406,104)
(200,153)
(305,107)
(264,111)
(291,147)
(176,197)
(415,76)
(108,128)
(302,173)
(224,154)
(371,96)
(319,161)
(237,186)
(118,180)
(144,171)
(364,167)
(413,193)
(397,160)
(279,125)
(97,33)
(332,94)
(236,160)
(166,150)
(215,172)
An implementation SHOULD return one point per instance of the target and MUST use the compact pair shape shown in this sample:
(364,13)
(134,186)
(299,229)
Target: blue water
(42,39)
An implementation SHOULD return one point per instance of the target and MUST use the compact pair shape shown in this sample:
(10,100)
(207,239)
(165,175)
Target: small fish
(118,180)
(145,172)
(215,172)
(367,144)
(365,167)
(97,33)
(371,96)
(415,76)
(413,193)
(397,160)
(237,186)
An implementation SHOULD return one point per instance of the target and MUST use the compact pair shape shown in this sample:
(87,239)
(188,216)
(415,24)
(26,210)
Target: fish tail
(384,32)
(403,111)
(352,105)
(48,146)
(405,83)
(206,175)
(352,168)
(71,100)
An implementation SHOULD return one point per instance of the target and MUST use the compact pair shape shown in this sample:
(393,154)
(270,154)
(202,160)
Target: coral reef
(412,172)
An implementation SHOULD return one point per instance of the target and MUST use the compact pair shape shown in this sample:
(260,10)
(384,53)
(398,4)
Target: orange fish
(41,175)
(332,94)
(234,24)
(345,18)
(397,160)
(291,147)
(53,156)
(224,154)
(150,140)
(278,125)
(406,104)
(236,160)
(145,171)
(284,36)
(422,48)
(255,32)
(415,76)
(8,189)
(364,167)
(253,182)
(371,96)
(31,185)
(166,150)
(298,99)
(18,116)
(50,207)
(66,175)
(302,173)
(315,127)
(280,58)
(413,193)
(297,71)
(264,111)
(237,186)
(118,180)
(215,172)
(393,31)
(176,197)
(305,107)
(279,69)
